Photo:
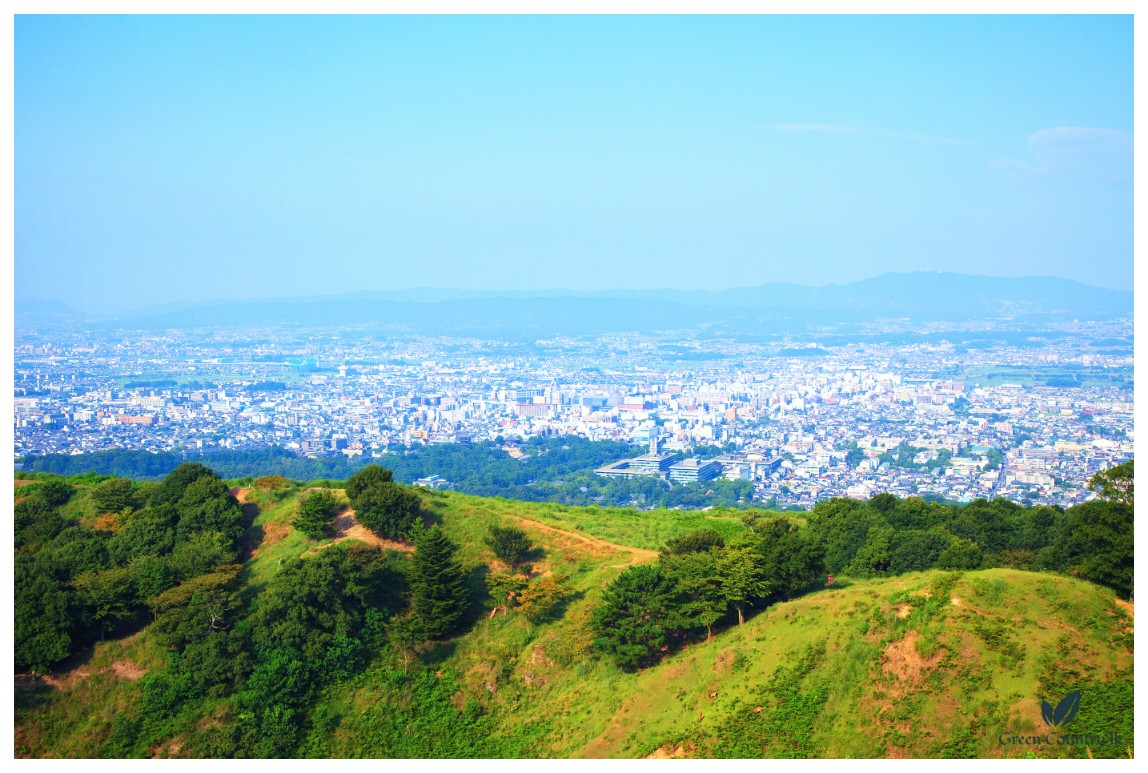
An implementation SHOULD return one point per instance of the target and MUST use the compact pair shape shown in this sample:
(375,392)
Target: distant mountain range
(770,309)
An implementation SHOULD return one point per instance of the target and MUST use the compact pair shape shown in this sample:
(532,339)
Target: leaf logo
(1064,711)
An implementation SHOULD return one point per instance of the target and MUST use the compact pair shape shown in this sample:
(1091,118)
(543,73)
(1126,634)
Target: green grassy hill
(929,664)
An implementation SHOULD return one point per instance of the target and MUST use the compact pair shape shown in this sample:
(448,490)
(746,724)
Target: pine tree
(316,514)
(437,583)
(639,619)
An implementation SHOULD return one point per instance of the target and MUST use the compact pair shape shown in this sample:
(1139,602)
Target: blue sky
(173,158)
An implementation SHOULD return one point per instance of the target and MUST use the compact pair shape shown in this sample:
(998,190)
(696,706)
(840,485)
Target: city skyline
(274,157)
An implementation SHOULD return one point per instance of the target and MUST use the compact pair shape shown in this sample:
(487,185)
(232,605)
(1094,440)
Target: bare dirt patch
(904,610)
(902,659)
(538,657)
(346,527)
(724,661)
(66,680)
(170,749)
(274,532)
(125,669)
(18,482)
(679,752)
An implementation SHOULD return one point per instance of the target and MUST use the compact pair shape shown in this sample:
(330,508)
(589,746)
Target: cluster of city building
(801,424)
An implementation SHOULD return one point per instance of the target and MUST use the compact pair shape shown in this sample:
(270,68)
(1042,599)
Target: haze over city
(181,159)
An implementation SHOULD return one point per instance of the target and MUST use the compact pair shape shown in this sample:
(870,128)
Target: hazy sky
(180,158)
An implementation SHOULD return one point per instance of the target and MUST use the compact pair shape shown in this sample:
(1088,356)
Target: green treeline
(551,470)
(701,582)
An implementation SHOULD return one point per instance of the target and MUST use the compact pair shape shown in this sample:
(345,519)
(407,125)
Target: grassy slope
(903,674)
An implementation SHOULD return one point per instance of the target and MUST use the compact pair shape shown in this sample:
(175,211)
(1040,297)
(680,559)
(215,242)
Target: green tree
(1098,544)
(36,522)
(504,587)
(510,544)
(76,550)
(840,527)
(438,584)
(53,493)
(151,575)
(207,505)
(109,598)
(791,560)
(884,503)
(1115,483)
(196,608)
(743,578)
(202,552)
(639,618)
(150,531)
(316,514)
(405,633)
(388,509)
(543,599)
(343,593)
(44,611)
(915,550)
(369,477)
(698,586)
(114,495)
(874,556)
(961,554)
(172,488)
(699,540)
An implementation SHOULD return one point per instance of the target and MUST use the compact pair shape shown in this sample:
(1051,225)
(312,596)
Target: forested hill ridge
(196,617)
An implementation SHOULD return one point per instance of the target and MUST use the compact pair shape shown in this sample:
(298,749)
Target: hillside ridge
(924,664)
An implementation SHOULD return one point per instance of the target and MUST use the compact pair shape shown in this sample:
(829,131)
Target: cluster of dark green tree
(700,583)
(887,535)
(271,656)
(87,564)
(103,560)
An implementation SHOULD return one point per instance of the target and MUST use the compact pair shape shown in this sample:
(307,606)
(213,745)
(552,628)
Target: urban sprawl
(1029,423)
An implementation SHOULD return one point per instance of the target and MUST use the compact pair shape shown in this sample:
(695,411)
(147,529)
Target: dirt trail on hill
(347,527)
(253,538)
(637,555)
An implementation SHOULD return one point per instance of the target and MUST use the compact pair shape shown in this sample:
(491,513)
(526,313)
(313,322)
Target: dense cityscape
(803,422)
